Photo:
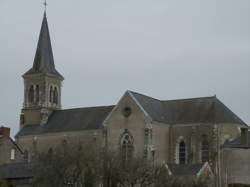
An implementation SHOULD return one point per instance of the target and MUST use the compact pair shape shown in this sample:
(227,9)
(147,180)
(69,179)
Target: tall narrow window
(146,136)
(22,120)
(64,146)
(204,149)
(26,155)
(127,147)
(37,94)
(55,96)
(31,94)
(12,154)
(182,152)
(50,94)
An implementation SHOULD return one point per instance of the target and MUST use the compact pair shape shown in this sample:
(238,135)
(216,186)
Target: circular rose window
(126,111)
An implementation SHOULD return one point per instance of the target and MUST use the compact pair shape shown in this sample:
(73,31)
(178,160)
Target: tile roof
(237,143)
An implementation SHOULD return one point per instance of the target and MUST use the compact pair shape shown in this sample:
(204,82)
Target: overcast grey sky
(167,49)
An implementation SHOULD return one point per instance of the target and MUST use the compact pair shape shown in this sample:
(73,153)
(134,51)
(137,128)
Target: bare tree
(86,166)
(72,167)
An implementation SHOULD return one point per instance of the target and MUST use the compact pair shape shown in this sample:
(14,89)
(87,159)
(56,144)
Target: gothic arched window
(31,94)
(127,147)
(37,94)
(182,152)
(50,94)
(55,96)
(204,149)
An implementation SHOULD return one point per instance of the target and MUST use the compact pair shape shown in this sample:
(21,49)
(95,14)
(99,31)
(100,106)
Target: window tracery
(127,147)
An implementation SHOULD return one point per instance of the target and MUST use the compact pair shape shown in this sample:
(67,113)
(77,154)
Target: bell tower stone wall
(42,83)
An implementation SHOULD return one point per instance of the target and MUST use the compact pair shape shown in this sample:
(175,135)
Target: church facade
(175,132)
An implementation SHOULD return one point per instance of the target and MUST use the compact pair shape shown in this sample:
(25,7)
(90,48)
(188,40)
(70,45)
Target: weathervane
(45,4)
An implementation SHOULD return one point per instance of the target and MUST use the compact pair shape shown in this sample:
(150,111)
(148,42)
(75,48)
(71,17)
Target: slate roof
(44,60)
(70,120)
(16,171)
(183,111)
(195,110)
(236,143)
(185,170)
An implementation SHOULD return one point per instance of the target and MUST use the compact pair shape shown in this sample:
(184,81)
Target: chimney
(4,132)
(244,136)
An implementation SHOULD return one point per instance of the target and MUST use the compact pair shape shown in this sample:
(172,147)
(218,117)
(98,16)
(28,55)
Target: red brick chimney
(4,132)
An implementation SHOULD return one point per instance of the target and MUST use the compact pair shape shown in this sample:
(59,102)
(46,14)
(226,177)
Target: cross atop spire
(45,5)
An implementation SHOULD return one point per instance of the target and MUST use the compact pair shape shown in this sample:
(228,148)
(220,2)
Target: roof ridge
(143,95)
(192,98)
(105,106)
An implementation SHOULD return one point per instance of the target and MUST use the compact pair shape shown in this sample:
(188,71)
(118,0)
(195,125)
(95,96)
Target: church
(183,134)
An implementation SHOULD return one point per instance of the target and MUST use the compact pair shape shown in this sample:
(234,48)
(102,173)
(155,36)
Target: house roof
(16,171)
(195,110)
(237,143)
(44,60)
(16,145)
(185,170)
(70,120)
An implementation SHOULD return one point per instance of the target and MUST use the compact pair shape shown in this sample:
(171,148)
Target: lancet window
(55,96)
(204,149)
(37,94)
(31,94)
(182,152)
(50,94)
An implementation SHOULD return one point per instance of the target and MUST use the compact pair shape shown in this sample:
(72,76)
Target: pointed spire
(44,60)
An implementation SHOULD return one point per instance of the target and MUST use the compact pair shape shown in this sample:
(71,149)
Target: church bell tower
(42,83)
